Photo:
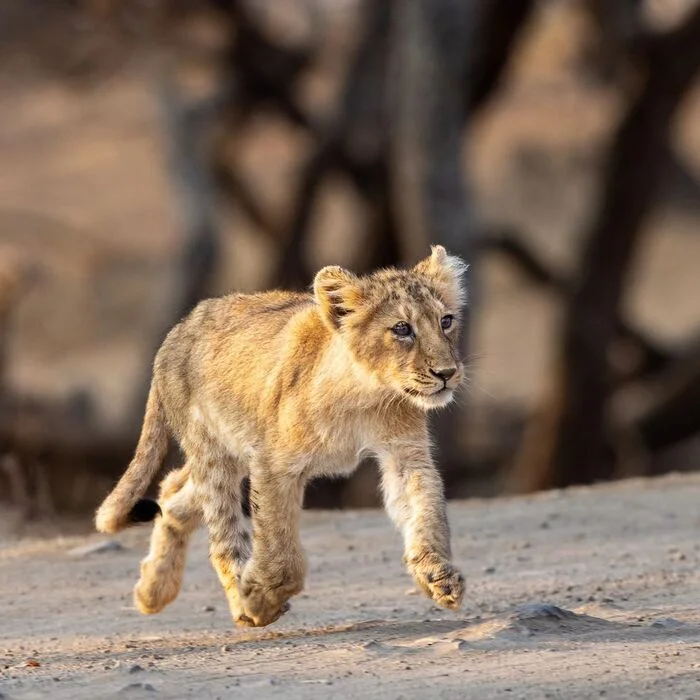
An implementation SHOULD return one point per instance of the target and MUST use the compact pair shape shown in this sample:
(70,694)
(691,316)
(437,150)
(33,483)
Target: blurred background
(155,152)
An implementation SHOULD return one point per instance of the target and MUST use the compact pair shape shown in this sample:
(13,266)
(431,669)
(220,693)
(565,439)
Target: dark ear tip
(144,511)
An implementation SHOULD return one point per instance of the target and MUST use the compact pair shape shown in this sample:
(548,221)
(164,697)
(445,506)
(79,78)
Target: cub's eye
(402,329)
(446,322)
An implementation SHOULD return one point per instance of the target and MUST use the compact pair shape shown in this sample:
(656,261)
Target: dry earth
(619,562)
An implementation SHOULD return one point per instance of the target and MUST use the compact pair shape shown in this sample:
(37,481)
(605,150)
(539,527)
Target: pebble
(97,548)
(668,623)
(372,645)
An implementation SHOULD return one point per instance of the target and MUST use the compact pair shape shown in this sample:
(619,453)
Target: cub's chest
(330,436)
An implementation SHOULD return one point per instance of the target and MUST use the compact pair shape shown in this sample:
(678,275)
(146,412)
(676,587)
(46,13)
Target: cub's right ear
(337,293)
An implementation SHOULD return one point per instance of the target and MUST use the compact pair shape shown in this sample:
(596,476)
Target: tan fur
(285,387)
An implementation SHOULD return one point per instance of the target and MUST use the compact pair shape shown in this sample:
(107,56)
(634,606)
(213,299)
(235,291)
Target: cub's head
(401,326)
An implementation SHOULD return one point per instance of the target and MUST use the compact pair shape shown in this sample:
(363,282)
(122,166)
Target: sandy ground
(619,562)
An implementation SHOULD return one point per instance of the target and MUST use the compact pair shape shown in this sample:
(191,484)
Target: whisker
(475,356)
(476,389)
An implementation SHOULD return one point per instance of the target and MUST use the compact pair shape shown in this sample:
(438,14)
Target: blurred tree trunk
(430,58)
(186,126)
(497,27)
(567,442)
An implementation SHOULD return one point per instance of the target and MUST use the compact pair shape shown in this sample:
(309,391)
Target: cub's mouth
(428,400)
(438,392)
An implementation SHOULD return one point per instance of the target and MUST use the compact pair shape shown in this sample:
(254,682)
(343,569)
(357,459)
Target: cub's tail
(124,506)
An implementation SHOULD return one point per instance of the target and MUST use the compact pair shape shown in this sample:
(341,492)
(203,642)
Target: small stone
(209,608)
(372,645)
(97,548)
(668,623)
(227,647)
(490,570)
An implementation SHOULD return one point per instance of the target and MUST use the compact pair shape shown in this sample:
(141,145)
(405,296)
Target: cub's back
(225,342)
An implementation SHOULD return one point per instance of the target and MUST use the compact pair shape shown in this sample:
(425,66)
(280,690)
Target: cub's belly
(336,465)
(232,430)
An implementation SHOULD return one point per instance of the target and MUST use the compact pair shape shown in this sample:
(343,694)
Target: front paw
(438,579)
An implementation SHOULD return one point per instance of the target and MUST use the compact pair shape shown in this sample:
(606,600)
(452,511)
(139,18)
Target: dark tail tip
(144,511)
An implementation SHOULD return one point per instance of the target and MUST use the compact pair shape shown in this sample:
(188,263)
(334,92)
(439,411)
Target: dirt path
(621,563)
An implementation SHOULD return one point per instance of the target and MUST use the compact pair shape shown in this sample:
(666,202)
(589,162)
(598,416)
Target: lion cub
(285,387)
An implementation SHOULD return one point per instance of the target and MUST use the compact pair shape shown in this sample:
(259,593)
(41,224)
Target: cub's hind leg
(163,569)
(217,480)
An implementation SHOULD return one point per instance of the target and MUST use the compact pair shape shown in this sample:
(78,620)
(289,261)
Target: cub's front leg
(414,499)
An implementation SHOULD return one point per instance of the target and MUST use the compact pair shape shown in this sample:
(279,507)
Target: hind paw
(263,603)
(157,587)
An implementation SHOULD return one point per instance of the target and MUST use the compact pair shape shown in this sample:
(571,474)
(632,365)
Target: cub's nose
(444,374)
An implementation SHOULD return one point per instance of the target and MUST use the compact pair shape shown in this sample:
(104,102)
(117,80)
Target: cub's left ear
(446,272)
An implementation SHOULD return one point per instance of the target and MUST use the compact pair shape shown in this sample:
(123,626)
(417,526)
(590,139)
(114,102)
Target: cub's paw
(152,593)
(264,601)
(438,579)
(243,620)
